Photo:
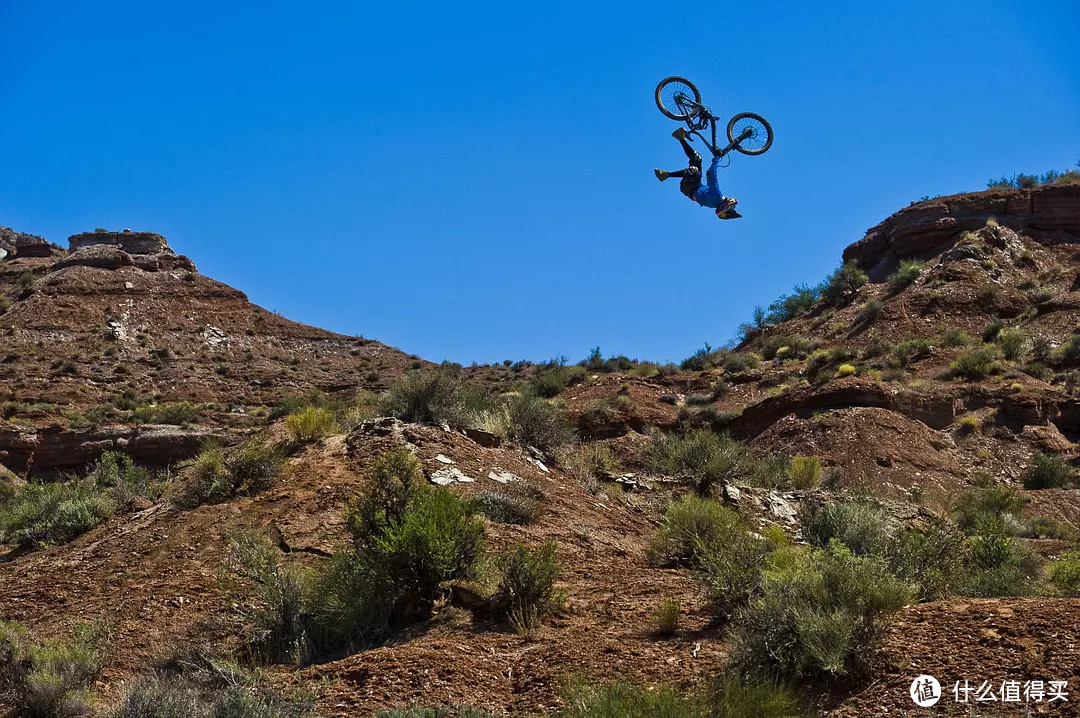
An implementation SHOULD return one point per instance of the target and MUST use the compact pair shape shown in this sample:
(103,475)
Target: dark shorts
(691,181)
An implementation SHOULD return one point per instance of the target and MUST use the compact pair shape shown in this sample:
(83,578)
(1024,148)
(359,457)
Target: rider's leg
(691,153)
(711,176)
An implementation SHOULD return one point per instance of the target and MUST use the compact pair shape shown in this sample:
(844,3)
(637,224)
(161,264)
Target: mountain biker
(690,181)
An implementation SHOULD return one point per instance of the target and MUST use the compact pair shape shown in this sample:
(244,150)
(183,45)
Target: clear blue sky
(473,181)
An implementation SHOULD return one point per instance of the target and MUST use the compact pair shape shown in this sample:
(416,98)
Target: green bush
(820,612)
(120,478)
(788,306)
(974,363)
(526,591)
(51,678)
(1013,342)
(688,528)
(700,458)
(746,697)
(994,500)
(705,358)
(513,504)
(533,421)
(736,363)
(999,565)
(730,565)
(776,346)
(805,472)
(550,380)
(44,514)
(247,469)
(992,329)
(667,617)
(623,700)
(905,274)
(276,622)
(934,559)
(428,396)
(861,525)
(179,413)
(869,311)
(454,711)
(311,424)
(1065,574)
(1048,471)
(955,338)
(845,281)
(907,352)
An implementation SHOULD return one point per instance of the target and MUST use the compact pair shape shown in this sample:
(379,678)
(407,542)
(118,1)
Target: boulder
(101,256)
(166,444)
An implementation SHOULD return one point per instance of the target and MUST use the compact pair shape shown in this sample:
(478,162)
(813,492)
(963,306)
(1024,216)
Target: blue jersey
(709,194)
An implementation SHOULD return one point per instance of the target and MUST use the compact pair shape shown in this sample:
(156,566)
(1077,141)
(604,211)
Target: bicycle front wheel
(759,134)
(677,98)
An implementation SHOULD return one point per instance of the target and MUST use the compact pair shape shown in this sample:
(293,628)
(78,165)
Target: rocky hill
(120,322)
(936,370)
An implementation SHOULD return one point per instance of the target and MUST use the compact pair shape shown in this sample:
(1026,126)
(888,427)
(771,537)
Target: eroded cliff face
(1049,215)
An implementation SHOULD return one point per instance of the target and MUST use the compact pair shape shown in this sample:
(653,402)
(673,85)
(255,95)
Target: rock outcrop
(1048,214)
(111,250)
(20,244)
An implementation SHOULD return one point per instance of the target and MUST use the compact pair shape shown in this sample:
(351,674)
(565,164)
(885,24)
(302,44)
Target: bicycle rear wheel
(760,137)
(677,98)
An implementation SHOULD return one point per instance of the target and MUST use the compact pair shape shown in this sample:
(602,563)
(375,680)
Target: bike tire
(761,139)
(666,93)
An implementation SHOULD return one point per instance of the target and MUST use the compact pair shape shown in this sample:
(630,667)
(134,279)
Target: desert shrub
(1065,574)
(211,482)
(773,346)
(667,617)
(992,329)
(427,396)
(907,352)
(526,591)
(596,362)
(845,370)
(905,274)
(453,711)
(1048,471)
(1069,352)
(704,358)
(973,364)
(999,565)
(1012,342)
(845,281)
(772,471)
(993,500)
(739,696)
(955,338)
(216,477)
(533,421)
(179,413)
(861,525)
(689,526)
(311,424)
(550,380)
(219,689)
(729,564)
(513,504)
(591,461)
(51,678)
(624,700)
(736,363)
(44,514)
(789,306)
(869,311)
(934,559)
(119,476)
(700,458)
(805,472)
(820,612)
(274,614)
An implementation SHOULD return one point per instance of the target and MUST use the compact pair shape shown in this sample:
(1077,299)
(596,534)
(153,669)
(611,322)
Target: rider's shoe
(660,174)
(729,203)
(728,214)
(679,134)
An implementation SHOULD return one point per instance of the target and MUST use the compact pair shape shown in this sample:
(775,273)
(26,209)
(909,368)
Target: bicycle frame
(699,117)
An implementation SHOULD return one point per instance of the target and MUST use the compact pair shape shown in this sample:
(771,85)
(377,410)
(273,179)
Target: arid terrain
(942,361)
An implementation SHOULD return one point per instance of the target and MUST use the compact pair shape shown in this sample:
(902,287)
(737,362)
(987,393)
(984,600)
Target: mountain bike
(747,132)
